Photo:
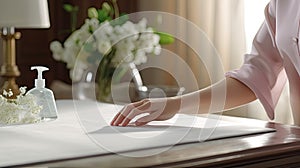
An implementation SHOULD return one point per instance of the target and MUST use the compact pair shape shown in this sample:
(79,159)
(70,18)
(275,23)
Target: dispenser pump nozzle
(40,82)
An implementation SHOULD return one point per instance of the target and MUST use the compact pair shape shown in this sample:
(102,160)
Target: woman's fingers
(129,112)
(118,117)
(121,115)
(154,107)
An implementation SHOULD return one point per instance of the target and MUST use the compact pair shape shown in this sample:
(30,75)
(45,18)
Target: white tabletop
(82,129)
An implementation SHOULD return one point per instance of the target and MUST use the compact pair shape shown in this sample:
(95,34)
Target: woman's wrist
(187,104)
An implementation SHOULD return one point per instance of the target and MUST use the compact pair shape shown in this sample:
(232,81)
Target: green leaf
(120,20)
(123,14)
(165,38)
(68,7)
(103,15)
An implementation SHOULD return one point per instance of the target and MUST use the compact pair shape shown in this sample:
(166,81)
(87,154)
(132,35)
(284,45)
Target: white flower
(90,25)
(56,48)
(142,25)
(104,47)
(5,93)
(131,42)
(8,94)
(21,110)
(22,90)
(157,50)
(106,28)
(140,57)
(155,39)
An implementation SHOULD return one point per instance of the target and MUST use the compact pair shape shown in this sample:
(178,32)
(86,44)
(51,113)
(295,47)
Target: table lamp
(18,14)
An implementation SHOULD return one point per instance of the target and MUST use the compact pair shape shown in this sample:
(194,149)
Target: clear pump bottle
(44,96)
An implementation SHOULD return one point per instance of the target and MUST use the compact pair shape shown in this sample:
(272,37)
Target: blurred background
(229,24)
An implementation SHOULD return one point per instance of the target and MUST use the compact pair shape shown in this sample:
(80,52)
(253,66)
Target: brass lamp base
(9,70)
(10,84)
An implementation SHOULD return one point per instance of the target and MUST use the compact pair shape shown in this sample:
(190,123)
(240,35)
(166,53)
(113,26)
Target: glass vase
(108,76)
(86,88)
(97,80)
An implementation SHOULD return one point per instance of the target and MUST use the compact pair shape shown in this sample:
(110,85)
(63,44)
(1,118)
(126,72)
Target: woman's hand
(151,109)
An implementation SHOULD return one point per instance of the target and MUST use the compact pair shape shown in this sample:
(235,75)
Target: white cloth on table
(83,129)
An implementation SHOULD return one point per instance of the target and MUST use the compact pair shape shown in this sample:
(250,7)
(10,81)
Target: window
(254,16)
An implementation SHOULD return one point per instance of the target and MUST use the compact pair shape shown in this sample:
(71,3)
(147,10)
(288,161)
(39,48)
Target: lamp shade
(24,13)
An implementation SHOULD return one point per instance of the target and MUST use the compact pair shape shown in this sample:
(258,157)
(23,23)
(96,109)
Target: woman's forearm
(224,95)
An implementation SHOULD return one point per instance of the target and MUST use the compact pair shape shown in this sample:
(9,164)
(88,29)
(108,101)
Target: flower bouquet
(21,110)
(108,41)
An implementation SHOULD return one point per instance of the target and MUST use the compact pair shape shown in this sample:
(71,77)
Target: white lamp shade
(24,13)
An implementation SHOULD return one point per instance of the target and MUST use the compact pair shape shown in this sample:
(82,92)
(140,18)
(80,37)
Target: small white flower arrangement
(22,110)
(130,41)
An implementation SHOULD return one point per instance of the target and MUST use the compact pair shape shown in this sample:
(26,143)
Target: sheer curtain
(221,20)
(231,26)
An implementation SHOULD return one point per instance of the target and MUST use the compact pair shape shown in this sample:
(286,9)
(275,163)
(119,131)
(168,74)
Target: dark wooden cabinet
(33,47)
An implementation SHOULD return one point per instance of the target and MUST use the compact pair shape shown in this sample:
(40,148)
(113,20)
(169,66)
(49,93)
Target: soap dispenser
(44,96)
